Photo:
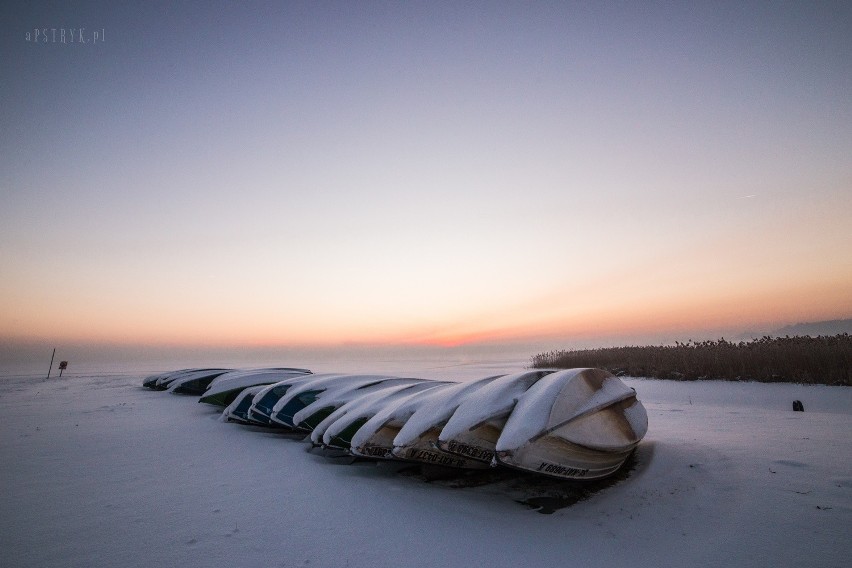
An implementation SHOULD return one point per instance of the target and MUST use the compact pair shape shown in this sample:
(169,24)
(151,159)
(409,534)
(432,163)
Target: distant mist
(830,327)
(32,357)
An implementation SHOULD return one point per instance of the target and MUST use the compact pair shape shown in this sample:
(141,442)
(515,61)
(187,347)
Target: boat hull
(574,424)
(426,450)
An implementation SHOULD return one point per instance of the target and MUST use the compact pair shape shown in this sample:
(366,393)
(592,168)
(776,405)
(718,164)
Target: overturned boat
(150,381)
(418,438)
(261,409)
(162,381)
(374,439)
(337,429)
(237,411)
(225,388)
(193,383)
(570,424)
(575,424)
(307,404)
(473,429)
(331,400)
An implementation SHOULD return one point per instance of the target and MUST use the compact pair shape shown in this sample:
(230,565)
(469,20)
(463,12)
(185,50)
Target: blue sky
(314,173)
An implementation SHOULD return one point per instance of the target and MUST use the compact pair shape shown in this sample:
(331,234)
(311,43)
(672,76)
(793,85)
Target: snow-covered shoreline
(100,472)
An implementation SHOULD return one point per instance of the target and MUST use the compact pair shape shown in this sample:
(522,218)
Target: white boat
(417,440)
(261,408)
(286,410)
(338,395)
(375,438)
(337,430)
(225,388)
(151,380)
(576,424)
(193,382)
(237,411)
(161,381)
(473,429)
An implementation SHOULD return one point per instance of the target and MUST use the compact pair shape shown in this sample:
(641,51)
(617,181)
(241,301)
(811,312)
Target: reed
(800,359)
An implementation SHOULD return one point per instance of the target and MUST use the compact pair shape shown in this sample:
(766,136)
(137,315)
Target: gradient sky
(229,173)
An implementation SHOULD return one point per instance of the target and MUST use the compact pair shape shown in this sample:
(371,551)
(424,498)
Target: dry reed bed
(809,360)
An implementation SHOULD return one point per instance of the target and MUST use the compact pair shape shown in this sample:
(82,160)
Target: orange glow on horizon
(675,298)
(630,314)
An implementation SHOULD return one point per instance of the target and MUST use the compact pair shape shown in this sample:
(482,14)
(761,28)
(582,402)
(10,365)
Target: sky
(422,173)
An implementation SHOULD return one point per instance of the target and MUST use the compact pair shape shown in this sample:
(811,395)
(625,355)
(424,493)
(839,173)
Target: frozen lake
(98,471)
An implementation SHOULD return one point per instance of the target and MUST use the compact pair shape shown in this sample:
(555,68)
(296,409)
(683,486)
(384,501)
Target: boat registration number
(470,451)
(562,470)
(432,457)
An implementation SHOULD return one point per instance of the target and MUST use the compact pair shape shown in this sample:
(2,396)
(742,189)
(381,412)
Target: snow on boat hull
(237,411)
(418,438)
(337,429)
(374,439)
(475,427)
(162,381)
(225,388)
(574,424)
(328,402)
(286,411)
(261,409)
(194,383)
(150,382)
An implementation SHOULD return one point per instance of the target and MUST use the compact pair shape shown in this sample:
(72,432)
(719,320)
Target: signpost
(62,366)
(51,362)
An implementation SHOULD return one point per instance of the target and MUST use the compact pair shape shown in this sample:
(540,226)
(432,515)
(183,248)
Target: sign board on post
(62,366)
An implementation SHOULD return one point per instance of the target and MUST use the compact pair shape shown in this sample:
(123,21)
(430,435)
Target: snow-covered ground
(97,471)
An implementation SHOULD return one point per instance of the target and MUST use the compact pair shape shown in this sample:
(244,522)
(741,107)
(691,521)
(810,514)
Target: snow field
(98,471)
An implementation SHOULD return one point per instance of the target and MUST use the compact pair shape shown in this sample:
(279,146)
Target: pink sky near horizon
(308,174)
